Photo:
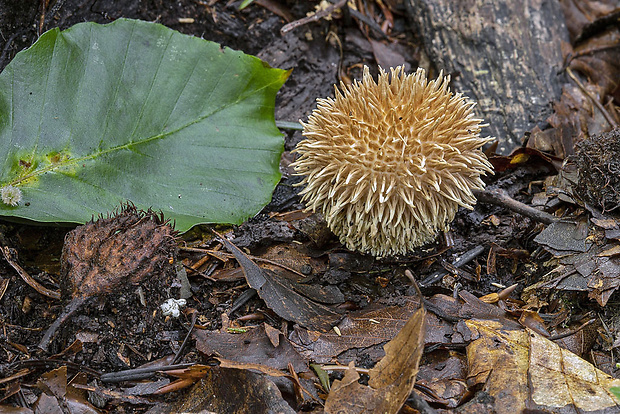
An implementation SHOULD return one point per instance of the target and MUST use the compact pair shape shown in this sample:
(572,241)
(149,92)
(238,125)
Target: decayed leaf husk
(110,254)
(125,248)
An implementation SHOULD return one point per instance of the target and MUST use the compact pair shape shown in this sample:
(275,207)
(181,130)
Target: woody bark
(504,54)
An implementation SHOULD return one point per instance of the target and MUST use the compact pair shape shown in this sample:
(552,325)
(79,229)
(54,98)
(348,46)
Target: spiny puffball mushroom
(389,163)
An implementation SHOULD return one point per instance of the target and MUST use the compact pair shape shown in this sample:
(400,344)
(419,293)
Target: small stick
(369,22)
(202,274)
(290,125)
(74,305)
(7,46)
(44,4)
(595,101)
(312,18)
(571,332)
(465,258)
(344,368)
(50,363)
(501,198)
(8,256)
(242,300)
(204,259)
(177,357)
(139,373)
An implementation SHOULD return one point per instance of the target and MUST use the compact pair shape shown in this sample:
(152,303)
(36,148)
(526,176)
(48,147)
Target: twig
(74,305)
(465,258)
(8,256)
(139,373)
(333,35)
(312,18)
(49,363)
(42,17)
(595,101)
(296,126)
(177,357)
(501,198)
(369,22)
(7,46)
(242,300)
(344,368)
(199,273)
(46,14)
(571,332)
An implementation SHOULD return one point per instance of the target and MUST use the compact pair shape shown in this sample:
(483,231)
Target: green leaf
(615,391)
(245,3)
(97,115)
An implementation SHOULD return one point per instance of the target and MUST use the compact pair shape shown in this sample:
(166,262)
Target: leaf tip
(286,74)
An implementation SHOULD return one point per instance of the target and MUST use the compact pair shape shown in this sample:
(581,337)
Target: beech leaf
(96,115)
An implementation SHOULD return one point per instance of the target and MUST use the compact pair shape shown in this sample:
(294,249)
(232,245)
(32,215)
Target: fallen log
(504,54)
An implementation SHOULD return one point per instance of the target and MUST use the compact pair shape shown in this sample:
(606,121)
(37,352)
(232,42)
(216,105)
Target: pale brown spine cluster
(388,163)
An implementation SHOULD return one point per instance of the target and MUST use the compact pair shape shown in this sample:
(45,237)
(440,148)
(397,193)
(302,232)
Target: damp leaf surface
(97,115)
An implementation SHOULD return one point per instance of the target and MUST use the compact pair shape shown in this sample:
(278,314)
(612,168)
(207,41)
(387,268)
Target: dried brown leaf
(578,13)
(57,393)
(280,297)
(228,390)
(391,380)
(442,378)
(254,346)
(368,328)
(533,321)
(595,270)
(525,371)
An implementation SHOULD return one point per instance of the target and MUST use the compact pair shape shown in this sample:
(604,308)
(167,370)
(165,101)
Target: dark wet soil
(127,337)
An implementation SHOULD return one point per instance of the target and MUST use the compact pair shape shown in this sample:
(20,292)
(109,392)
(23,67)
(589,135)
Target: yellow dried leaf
(525,371)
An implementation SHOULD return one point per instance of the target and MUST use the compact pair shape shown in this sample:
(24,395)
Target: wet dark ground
(318,62)
(315,61)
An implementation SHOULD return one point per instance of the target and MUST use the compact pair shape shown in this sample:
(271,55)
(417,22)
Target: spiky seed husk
(389,163)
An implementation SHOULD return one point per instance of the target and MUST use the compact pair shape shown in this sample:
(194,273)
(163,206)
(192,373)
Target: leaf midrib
(127,146)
